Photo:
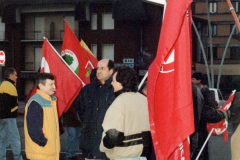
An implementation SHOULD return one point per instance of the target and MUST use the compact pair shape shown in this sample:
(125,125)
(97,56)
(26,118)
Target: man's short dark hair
(127,77)
(8,72)
(198,76)
(42,77)
(110,65)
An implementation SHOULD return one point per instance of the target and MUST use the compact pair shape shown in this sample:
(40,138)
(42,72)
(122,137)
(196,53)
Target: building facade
(222,24)
(124,31)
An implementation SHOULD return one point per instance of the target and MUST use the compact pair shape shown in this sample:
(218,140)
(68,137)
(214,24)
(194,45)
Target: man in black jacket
(93,102)
(9,134)
(204,112)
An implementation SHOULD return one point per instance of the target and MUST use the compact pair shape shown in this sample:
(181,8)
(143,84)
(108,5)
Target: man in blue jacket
(93,102)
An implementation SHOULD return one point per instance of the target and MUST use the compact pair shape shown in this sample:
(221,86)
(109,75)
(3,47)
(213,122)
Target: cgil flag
(90,55)
(169,85)
(68,84)
(221,127)
(75,55)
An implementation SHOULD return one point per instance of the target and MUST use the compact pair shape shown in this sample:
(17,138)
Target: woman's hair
(127,77)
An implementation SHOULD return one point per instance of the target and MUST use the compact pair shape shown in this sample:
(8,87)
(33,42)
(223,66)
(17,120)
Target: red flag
(221,127)
(75,55)
(169,84)
(90,55)
(68,84)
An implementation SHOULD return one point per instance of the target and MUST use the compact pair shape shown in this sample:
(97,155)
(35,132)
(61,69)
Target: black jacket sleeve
(212,115)
(113,138)
(81,105)
(35,123)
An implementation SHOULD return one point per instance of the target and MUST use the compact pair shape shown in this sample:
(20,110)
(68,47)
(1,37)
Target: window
(214,30)
(108,51)
(213,7)
(236,6)
(214,49)
(94,49)
(94,21)
(235,53)
(2,30)
(235,30)
(107,21)
(39,28)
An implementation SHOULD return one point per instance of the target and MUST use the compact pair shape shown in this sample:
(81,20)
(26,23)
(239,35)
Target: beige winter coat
(127,114)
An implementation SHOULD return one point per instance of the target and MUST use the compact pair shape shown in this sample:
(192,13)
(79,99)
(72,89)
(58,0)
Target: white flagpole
(143,80)
(204,143)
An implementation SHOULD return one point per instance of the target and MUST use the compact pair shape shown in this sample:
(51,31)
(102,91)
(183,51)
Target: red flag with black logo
(75,55)
(68,84)
(169,85)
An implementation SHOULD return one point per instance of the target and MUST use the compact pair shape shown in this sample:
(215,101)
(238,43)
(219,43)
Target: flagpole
(143,80)
(204,144)
(65,62)
(234,14)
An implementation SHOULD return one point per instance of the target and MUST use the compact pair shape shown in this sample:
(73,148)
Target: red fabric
(90,55)
(71,45)
(181,151)
(221,127)
(170,90)
(68,84)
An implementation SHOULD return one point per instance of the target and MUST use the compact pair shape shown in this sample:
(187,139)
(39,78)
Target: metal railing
(38,35)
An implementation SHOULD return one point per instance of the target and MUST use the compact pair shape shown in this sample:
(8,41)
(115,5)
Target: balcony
(31,36)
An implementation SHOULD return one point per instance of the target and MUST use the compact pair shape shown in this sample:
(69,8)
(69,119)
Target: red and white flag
(169,85)
(68,84)
(221,127)
(75,55)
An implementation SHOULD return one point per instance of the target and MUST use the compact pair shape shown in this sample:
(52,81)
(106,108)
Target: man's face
(49,88)
(194,80)
(116,85)
(13,77)
(103,73)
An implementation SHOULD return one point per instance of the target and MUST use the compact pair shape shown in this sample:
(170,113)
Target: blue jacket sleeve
(35,123)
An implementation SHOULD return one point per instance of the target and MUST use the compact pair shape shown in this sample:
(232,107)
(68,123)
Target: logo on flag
(71,59)
(44,66)
(168,66)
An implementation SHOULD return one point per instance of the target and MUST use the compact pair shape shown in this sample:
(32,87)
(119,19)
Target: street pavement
(218,149)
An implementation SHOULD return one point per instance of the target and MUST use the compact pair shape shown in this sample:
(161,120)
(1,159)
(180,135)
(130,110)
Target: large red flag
(169,85)
(75,55)
(68,84)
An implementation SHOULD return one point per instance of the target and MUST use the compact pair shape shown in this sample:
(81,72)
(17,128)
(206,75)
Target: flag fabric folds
(75,55)
(169,84)
(68,84)
(221,127)
(90,55)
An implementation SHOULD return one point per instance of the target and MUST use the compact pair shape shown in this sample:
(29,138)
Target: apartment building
(126,31)
(222,24)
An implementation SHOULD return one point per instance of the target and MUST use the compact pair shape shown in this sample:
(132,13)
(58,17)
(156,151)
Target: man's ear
(111,71)
(40,85)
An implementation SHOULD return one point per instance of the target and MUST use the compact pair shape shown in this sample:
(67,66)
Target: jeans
(9,135)
(73,141)
(133,158)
